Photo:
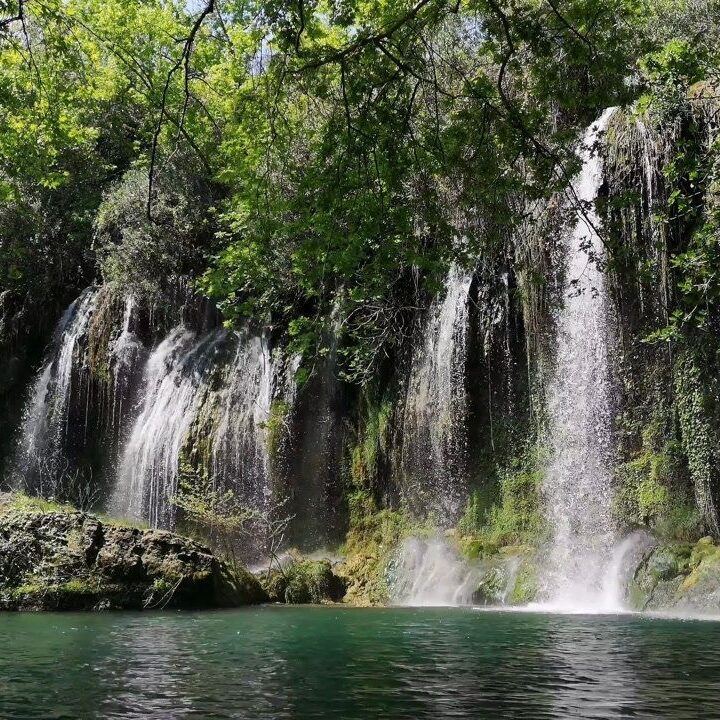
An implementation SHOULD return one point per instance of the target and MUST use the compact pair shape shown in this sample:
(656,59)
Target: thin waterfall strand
(240,454)
(45,423)
(435,415)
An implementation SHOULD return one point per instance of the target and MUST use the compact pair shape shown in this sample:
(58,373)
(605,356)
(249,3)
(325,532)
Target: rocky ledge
(68,560)
(679,576)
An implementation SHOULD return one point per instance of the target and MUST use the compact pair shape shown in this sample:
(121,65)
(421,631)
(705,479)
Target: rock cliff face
(478,421)
(66,560)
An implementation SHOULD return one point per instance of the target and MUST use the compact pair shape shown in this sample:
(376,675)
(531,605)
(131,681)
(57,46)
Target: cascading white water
(429,573)
(154,401)
(125,351)
(45,423)
(434,445)
(240,454)
(148,472)
(578,487)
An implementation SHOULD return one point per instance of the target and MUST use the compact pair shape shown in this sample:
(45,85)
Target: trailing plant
(517,516)
(230,526)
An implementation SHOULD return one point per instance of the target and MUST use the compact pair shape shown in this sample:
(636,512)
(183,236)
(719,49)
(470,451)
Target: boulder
(66,560)
(679,577)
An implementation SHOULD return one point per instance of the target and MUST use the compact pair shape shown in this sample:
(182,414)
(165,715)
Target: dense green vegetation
(301,158)
(318,165)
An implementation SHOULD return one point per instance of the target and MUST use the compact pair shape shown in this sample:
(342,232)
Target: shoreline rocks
(303,582)
(68,560)
(57,558)
(678,576)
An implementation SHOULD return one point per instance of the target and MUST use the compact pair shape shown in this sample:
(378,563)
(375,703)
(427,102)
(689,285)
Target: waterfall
(149,466)
(429,573)
(434,432)
(578,487)
(125,352)
(657,151)
(44,432)
(240,454)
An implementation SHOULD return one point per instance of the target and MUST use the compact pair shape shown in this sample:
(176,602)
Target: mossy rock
(703,549)
(663,565)
(654,579)
(370,547)
(274,584)
(476,547)
(679,576)
(59,559)
(77,594)
(366,578)
(305,582)
(492,587)
(236,586)
(638,597)
(702,586)
(527,584)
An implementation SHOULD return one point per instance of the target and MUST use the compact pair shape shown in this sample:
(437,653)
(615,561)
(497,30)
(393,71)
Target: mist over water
(430,573)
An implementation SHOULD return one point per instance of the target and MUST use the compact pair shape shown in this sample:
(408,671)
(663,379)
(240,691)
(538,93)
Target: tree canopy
(308,160)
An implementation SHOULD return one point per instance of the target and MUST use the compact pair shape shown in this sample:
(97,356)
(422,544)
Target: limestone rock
(73,561)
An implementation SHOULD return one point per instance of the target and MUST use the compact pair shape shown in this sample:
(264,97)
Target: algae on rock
(60,559)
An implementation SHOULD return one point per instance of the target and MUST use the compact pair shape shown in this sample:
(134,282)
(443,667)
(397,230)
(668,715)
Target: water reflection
(307,663)
(148,674)
(593,675)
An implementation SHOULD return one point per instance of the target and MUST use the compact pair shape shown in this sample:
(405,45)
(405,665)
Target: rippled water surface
(343,663)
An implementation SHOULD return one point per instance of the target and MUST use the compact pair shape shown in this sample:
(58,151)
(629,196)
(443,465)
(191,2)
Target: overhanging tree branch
(182,61)
(569,25)
(384,34)
(512,116)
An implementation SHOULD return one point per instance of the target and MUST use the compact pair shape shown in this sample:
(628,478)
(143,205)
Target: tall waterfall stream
(586,558)
(148,473)
(578,486)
